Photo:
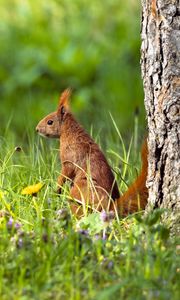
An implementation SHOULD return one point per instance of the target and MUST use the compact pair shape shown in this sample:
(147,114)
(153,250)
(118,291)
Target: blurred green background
(91,46)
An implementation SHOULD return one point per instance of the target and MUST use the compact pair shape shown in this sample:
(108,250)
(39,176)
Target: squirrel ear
(64,99)
(63,110)
(63,105)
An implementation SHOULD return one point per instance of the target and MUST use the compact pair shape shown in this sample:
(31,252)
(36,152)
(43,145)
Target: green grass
(45,253)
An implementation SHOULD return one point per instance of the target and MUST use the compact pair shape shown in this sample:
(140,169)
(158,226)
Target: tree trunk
(160,52)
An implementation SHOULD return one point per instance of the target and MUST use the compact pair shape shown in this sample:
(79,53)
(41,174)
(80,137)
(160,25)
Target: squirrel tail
(135,198)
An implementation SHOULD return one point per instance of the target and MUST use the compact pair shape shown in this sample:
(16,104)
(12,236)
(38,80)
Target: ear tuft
(63,105)
(64,98)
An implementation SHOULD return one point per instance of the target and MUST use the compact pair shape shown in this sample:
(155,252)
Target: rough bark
(160,65)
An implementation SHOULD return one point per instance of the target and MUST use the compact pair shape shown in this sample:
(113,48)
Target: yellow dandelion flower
(32,189)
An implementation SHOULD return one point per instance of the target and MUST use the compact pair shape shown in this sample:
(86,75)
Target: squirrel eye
(50,122)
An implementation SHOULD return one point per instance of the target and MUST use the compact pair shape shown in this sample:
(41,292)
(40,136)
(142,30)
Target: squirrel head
(49,126)
(63,106)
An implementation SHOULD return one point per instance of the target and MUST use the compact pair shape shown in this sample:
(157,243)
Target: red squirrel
(93,184)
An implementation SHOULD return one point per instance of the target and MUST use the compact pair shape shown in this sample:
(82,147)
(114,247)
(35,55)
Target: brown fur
(49,130)
(135,198)
(93,185)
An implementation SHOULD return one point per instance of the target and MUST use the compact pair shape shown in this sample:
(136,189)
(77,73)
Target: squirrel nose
(37,130)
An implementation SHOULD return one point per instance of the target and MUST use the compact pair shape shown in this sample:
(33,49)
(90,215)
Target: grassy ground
(45,253)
